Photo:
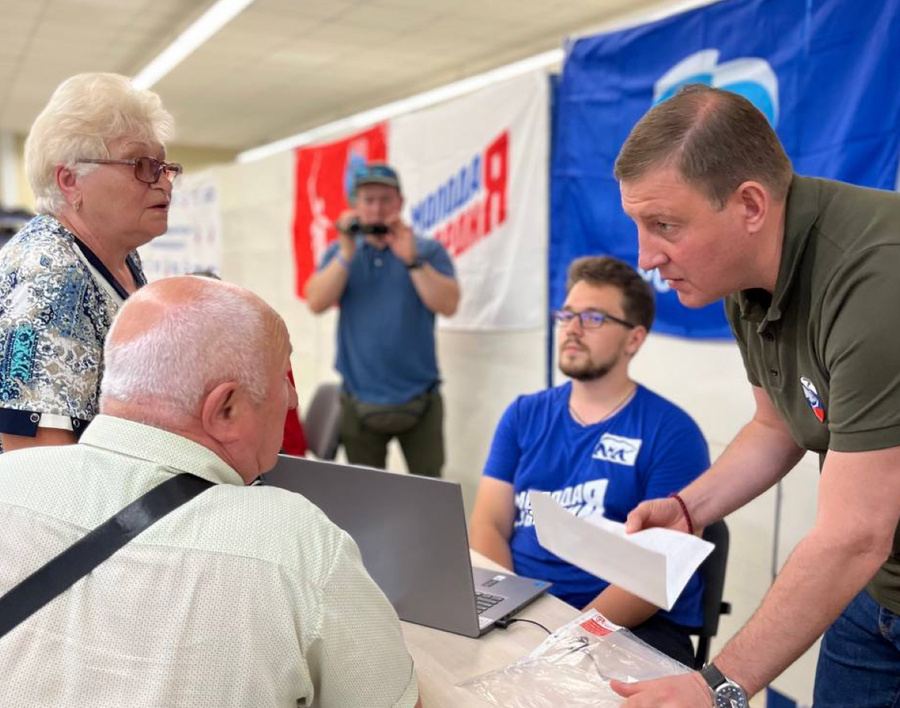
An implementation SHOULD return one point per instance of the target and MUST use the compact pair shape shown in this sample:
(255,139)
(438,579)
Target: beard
(587,370)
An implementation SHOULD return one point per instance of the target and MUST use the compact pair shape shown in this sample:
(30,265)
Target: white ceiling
(281,66)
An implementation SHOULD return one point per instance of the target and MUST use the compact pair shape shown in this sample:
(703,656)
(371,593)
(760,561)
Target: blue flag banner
(826,73)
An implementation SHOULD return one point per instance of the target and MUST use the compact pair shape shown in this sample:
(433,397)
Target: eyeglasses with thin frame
(146,169)
(589,319)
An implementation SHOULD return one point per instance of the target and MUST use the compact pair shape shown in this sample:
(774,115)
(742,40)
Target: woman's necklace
(584,423)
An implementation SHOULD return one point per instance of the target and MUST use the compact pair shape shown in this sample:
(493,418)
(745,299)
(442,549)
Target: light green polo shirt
(244,596)
(826,344)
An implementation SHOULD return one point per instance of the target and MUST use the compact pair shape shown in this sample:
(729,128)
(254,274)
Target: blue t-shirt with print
(385,338)
(648,449)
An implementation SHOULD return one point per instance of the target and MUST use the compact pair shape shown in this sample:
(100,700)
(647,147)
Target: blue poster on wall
(826,73)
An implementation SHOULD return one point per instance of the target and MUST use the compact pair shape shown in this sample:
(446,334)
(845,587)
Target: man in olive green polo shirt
(811,272)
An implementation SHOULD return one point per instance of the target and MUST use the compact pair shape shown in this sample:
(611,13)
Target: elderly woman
(95,158)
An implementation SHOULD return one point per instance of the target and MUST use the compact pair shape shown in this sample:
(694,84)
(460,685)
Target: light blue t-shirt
(647,450)
(385,338)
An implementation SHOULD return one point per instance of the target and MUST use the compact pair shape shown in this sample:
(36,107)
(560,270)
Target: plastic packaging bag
(573,667)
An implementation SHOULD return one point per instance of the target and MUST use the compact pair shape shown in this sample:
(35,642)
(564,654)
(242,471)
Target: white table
(444,659)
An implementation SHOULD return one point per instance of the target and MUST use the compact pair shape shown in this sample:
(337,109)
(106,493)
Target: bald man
(246,595)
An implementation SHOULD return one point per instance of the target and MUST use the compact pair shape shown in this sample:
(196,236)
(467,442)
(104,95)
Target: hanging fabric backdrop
(322,183)
(474,174)
(825,72)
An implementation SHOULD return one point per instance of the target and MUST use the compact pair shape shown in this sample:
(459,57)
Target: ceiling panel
(281,66)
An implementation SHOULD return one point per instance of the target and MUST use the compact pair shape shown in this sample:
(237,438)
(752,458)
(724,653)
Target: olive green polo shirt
(825,345)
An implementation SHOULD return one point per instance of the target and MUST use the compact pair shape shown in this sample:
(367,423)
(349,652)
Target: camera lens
(377,229)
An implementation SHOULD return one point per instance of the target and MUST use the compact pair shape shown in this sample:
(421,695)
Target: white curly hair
(84,114)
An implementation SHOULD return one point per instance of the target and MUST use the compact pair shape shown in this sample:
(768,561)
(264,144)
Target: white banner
(194,239)
(475,173)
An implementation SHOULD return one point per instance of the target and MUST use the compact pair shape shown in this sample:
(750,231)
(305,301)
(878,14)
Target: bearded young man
(600,444)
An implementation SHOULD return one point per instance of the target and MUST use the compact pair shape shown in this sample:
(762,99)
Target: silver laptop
(411,532)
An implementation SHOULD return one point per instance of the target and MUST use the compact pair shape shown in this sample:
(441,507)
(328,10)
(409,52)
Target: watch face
(729,696)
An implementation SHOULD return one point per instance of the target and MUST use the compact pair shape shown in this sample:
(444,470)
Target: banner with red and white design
(474,174)
(322,181)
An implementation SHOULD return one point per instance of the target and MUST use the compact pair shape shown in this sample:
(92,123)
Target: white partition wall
(257,213)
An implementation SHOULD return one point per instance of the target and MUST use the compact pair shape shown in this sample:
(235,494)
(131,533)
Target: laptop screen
(411,533)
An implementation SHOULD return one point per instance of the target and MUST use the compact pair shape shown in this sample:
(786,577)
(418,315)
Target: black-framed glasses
(589,319)
(146,169)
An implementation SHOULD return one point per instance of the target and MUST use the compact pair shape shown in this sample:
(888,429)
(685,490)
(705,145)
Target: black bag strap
(79,559)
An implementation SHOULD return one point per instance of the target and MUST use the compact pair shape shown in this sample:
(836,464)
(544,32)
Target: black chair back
(322,423)
(712,570)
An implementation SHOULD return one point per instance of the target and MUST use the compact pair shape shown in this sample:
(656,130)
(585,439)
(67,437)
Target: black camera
(355,228)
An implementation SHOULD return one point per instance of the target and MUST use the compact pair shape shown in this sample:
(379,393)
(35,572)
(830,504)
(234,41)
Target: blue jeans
(859,663)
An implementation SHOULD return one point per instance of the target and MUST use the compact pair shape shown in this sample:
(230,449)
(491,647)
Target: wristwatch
(726,693)
(418,262)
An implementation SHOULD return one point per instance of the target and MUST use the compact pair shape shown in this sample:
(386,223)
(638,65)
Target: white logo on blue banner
(749,77)
(831,101)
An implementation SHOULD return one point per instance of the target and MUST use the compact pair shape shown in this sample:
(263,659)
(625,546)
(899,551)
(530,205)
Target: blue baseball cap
(375,173)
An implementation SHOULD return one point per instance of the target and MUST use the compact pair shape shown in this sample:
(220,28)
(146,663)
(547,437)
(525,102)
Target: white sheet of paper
(654,564)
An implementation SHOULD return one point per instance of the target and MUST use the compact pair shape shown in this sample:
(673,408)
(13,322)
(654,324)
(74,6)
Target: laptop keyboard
(484,602)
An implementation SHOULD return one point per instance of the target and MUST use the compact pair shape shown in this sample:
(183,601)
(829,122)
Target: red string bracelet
(684,510)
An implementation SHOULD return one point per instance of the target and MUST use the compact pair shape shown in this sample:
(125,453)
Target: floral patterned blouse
(57,302)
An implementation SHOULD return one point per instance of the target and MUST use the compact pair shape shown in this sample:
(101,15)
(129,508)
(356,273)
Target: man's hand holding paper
(655,564)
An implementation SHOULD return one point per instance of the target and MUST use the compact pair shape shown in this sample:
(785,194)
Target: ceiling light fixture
(210,22)
(405,105)
(458,88)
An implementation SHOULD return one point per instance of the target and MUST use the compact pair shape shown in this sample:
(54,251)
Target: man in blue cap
(389,284)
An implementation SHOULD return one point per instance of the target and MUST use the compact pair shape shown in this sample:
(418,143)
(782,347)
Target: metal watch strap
(62,572)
